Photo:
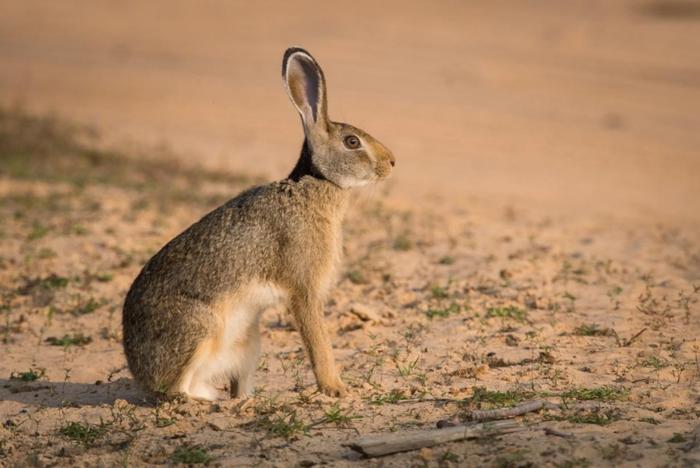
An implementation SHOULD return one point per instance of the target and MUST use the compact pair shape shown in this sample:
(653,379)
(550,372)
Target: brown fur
(287,234)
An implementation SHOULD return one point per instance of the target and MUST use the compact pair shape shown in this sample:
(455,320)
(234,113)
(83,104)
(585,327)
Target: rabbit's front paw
(335,388)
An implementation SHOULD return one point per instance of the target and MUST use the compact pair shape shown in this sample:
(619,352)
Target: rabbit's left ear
(306,87)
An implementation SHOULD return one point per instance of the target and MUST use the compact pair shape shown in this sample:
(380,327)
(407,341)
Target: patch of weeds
(495,398)
(569,272)
(453,309)
(42,289)
(604,393)
(403,243)
(53,281)
(38,231)
(279,419)
(164,422)
(190,455)
(77,339)
(649,305)
(31,375)
(88,307)
(79,230)
(685,302)
(45,253)
(579,462)
(507,312)
(104,277)
(407,370)
(337,416)
(446,260)
(677,438)
(288,426)
(613,294)
(600,417)
(85,434)
(393,397)
(655,362)
(439,292)
(593,330)
(356,277)
(449,456)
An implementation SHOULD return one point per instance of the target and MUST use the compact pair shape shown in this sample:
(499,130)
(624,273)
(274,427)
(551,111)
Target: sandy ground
(539,237)
(579,105)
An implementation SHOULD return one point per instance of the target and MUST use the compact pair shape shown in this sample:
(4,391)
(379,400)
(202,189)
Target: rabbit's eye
(351,142)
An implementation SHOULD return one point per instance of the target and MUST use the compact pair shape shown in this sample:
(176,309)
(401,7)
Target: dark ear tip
(291,51)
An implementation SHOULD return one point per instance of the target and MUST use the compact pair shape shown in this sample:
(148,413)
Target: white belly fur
(234,349)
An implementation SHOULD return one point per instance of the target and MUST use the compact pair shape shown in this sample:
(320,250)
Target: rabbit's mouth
(381,175)
(385,162)
(383,169)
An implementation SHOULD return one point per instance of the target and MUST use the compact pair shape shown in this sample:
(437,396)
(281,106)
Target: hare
(191,317)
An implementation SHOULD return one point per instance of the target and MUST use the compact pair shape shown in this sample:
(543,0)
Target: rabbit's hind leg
(246,355)
(242,333)
(198,379)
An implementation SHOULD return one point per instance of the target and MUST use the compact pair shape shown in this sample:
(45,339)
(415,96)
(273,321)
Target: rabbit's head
(338,152)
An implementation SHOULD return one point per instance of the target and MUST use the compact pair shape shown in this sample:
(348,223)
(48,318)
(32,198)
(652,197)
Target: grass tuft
(604,393)
(600,417)
(677,438)
(453,309)
(85,434)
(403,243)
(31,375)
(593,330)
(288,425)
(495,398)
(190,455)
(507,312)
(338,416)
(393,397)
(77,339)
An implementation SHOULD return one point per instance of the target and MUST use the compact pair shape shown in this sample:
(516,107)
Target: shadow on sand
(66,394)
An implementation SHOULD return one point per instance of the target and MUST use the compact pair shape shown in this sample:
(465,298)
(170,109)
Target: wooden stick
(506,413)
(558,433)
(385,444)
(628,342)
(501,413)
(430,400)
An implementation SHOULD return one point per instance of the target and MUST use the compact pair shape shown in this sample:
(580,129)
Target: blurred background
(577,105)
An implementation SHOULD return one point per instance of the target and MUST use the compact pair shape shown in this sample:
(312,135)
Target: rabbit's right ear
(306,87)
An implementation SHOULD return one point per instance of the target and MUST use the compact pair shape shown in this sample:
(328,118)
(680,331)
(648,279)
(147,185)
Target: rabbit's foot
(204,391)
(334,388)
(241,387)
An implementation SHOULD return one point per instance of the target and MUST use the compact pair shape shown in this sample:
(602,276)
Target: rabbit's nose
(392,162)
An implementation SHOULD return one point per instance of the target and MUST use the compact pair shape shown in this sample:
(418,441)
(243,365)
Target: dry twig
(555,432)
(385,444)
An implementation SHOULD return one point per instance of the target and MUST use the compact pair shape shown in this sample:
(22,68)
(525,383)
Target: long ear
(306,87)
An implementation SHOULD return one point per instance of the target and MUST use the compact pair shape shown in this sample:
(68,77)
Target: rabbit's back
(255,238)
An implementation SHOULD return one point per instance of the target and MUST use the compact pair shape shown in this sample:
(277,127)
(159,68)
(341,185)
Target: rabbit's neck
(317,186)
(305,165)
(325,197)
